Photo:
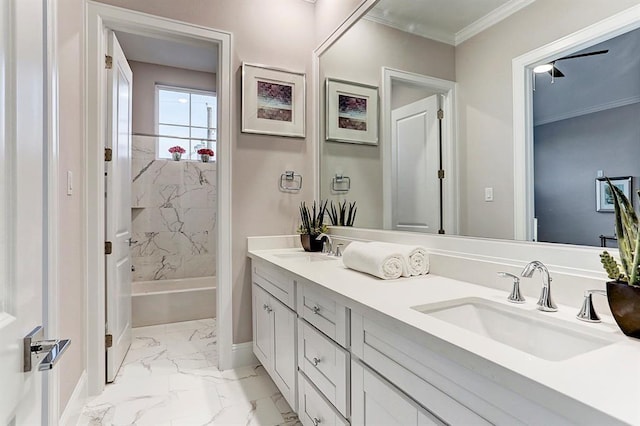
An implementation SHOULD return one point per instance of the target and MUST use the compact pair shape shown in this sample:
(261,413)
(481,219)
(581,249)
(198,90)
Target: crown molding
(490,19)
(419,30)
(588,110)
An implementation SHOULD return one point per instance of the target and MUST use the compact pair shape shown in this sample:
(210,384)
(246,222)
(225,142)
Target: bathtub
(167,301)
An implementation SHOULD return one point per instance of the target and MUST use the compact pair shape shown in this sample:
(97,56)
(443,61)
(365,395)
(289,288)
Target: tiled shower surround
(173,215)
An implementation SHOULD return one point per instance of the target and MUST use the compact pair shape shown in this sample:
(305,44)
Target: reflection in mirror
(586,111)
(477,52)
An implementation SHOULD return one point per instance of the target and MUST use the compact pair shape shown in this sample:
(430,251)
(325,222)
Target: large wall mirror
(447,159)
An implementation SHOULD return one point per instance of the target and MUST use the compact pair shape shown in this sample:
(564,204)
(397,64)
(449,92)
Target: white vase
(204,158)
(176,156)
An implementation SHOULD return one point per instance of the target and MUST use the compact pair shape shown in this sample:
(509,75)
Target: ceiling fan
(555,72)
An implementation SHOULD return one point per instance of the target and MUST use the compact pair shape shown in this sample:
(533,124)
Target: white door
(415,161)
(22,166)
(118,204)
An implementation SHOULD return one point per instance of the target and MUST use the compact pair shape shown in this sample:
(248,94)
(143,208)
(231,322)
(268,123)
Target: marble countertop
(606,379)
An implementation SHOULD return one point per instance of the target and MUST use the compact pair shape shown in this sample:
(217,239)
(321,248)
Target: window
(187,118)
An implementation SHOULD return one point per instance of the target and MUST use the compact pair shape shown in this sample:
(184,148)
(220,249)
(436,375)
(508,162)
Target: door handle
(47,352)
(132,242)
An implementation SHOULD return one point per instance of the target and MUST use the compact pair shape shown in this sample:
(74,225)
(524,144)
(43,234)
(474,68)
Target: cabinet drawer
(313,408)
(377,402)
(410,368)
(276,282)
(323,312)
(326,364)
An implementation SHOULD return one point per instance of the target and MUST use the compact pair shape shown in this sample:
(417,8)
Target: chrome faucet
(545,303)
(327,246)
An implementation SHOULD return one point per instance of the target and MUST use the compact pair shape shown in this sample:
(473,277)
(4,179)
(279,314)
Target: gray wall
(568,154)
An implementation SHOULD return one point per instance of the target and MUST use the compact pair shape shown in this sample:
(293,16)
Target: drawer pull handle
(316,421)
(316,361)
(267,308)
(316,310)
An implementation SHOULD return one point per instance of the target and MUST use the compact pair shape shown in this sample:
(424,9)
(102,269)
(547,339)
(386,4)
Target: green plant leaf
(626,222)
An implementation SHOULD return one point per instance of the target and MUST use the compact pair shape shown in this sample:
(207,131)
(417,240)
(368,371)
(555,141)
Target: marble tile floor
(169,377)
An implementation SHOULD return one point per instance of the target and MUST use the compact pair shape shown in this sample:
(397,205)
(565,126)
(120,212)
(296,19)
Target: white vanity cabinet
(274,339)
(323,358)
(378,402)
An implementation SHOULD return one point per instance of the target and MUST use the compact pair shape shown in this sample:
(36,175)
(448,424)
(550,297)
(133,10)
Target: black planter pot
(624,302)
(309,242)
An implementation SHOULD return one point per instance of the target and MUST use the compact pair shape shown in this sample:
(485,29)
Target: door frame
(522,72)
(51,385)
(447,89)
(98,18)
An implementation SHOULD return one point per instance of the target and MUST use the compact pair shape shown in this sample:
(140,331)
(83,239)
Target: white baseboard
(72,411)
(242,355)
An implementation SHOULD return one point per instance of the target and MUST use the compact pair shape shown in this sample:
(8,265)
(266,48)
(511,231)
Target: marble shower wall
(173,215)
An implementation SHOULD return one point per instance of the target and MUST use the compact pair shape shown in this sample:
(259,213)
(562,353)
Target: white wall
(71,253)
(483,73)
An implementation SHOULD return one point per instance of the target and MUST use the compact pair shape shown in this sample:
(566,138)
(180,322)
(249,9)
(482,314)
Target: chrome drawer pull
(316,421)
(316,361)
(316,310)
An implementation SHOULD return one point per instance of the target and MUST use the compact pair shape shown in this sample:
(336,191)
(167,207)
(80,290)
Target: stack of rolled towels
(388,261)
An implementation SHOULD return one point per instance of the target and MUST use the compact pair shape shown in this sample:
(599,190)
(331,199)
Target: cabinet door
(284,350)
(377,402)
(262,327)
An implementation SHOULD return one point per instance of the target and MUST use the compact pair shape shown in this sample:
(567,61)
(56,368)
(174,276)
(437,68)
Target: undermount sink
(306,256)
(525,330)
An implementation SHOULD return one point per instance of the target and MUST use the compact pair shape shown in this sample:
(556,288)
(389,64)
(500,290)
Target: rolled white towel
(377,261)
(416,257)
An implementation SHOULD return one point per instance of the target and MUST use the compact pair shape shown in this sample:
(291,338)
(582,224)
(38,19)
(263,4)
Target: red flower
(206,151)
(177,148)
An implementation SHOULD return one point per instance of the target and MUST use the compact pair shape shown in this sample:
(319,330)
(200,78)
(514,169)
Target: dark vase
(309,242)
(624,302)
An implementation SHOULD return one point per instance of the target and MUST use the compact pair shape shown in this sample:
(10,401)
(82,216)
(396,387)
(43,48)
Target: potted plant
(176,152)
(205,154)
(312,225)
(623,292)
(339,215)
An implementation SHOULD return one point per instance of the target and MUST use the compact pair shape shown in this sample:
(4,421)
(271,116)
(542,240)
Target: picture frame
(604,197)
(351,112)
(273,101)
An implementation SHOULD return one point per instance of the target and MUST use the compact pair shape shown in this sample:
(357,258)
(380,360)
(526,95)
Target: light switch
(69,182)
(488,194)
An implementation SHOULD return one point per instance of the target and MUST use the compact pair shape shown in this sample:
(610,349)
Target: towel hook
(340,183)
(290,181)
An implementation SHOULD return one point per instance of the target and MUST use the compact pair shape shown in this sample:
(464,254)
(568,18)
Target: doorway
(403,89)
(100,19)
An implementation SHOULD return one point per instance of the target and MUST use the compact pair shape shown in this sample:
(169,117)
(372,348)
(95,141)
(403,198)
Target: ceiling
(447,21)
(592,83)
(193,55)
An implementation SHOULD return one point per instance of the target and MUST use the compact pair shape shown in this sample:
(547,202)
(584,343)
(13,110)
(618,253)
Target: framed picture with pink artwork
(273,101)
(351,112)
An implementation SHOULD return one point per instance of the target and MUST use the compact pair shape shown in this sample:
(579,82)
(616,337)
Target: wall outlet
(488,194)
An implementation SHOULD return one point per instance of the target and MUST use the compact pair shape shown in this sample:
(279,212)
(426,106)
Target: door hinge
(108,154)
(108,62)
(440,114)
(440,174)
(108,340)
(108,247)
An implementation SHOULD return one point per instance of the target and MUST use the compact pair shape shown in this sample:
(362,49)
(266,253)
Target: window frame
(190,91)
